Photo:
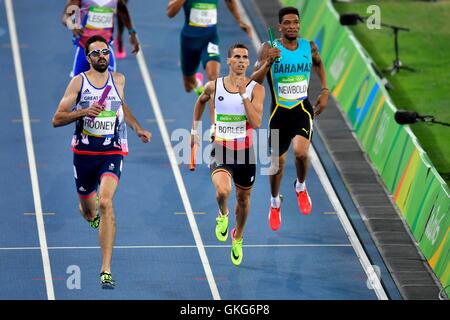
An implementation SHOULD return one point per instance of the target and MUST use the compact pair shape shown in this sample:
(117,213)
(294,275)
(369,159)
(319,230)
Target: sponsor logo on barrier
(338,64)
(433,226)
(379,138)
(363,101)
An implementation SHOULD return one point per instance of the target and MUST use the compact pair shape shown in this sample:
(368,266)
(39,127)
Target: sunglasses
(96,53)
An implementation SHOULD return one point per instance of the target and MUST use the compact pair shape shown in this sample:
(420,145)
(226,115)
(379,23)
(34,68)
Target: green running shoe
(236,250)
(96,222)
(198,91)
(222,228)
(107,281)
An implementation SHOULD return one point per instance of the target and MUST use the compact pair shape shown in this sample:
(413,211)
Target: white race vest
(103,125)
(230,116)
(203,15)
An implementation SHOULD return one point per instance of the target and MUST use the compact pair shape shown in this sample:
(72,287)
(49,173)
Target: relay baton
(272,40)
(103,98)
(104,95)
(192,164)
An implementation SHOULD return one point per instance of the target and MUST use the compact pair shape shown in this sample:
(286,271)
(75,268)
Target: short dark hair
(236,46)
(91,40)
(287,10)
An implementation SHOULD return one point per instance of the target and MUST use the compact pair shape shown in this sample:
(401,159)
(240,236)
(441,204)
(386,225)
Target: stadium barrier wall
(420,193)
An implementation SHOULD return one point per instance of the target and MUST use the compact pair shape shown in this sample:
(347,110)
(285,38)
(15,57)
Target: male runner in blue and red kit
(96,17)
(94,101)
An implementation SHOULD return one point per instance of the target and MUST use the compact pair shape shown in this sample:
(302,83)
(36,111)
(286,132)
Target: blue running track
(156,255)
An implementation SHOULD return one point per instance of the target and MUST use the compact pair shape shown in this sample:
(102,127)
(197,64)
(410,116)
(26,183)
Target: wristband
(244,96)
(130,31)
(324,89)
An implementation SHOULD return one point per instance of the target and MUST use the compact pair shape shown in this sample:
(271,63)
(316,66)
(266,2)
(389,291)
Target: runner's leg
(242,210)
(108,186)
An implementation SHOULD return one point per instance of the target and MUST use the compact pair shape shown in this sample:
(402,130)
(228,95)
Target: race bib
(100,18)
(102,125)
(230,127)
(292,87)
(203,15)
(213,49)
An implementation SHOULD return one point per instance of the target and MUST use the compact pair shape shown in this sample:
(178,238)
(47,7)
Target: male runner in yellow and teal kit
(94,101)
(287,66)
(238,109)
(200,40)
(96,18)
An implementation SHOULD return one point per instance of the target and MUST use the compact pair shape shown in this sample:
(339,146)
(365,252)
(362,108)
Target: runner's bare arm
(144,135)
(174,7)
(199,108)
(67,13)
(266,56)
(319,68)
(76,29)
(231,4)
(254,107)
(318,65)
(124,15)
(64,114)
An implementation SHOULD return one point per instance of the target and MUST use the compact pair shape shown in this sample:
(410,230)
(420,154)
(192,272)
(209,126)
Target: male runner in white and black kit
(238,105)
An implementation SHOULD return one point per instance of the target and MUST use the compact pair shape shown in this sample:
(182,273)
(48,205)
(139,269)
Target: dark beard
(100,68)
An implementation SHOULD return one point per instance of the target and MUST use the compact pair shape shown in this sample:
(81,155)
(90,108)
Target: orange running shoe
(275,216)
(304,201)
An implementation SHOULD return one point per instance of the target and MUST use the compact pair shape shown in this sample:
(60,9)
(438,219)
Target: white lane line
(30,149)
(20,120)
(151,120)
(176,172)
(43,213)
(305,245)
(197,212)
(325,181)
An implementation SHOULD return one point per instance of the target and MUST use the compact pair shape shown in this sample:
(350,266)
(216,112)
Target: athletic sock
(300,186)
(275,202)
